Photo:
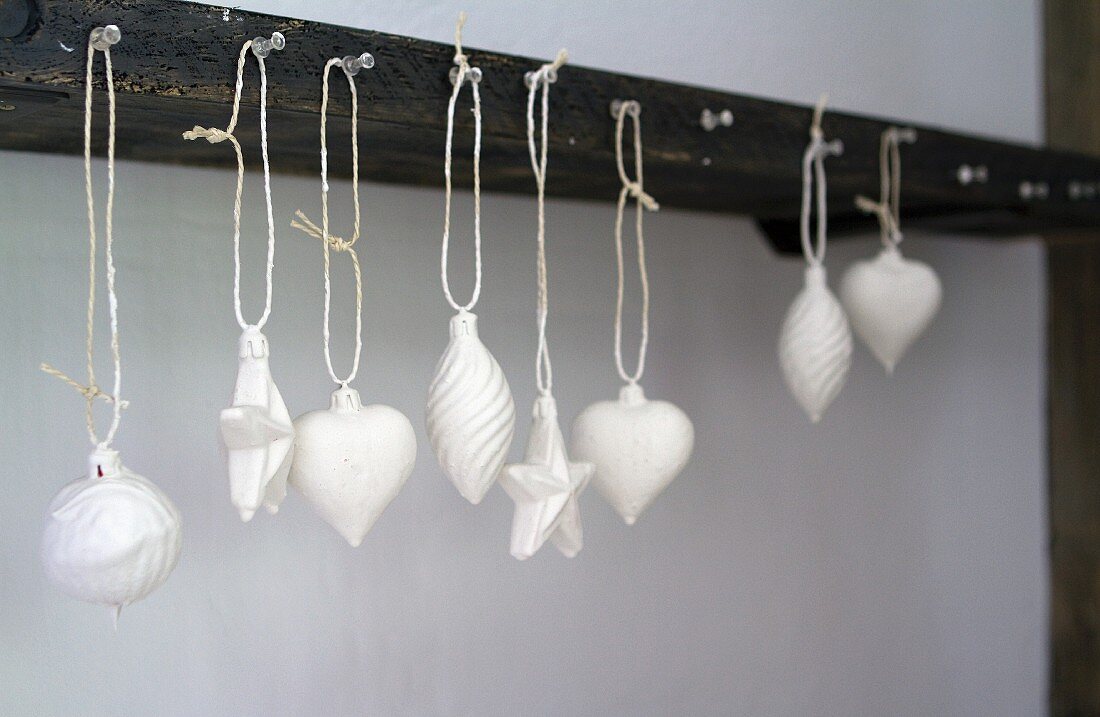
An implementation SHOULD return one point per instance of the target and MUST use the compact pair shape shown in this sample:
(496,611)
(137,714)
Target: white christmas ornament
(257,431)
(352,461)
(890,301)
(111,538)
(815,345)
(545,488)
(638,447)
(815,342)
(470,414)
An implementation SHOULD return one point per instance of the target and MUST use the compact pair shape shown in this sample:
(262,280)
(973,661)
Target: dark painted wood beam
(175,68)
(1072,60)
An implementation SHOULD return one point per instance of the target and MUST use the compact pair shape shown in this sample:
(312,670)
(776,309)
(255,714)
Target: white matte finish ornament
(471,416)
(351,461)
(545,488)
(257,431)
(890,301)
(638,447)
(815,345)
(111,538)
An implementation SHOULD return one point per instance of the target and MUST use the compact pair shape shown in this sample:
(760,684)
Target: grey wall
(890,560)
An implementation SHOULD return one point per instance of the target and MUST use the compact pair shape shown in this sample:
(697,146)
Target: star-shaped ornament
(545,488)
(257,431)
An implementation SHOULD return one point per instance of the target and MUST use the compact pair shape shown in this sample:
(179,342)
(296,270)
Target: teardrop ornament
(470,415)
(815,345)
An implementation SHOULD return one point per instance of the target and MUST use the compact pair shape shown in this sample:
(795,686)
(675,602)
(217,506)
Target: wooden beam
(175,68)
(1072,62)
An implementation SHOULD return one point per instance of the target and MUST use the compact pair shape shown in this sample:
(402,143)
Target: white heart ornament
(257,432)
(815,345)
(351,461)
(638,447)
(470,415)
(890,300)
(111,538)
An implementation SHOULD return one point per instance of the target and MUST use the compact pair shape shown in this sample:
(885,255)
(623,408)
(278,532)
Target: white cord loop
(635,189)
(100,39)
(542,77)
(213,135)
(888,208)
(328,240)
(459,75)
(813,169)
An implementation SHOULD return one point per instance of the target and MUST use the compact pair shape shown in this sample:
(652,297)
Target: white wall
(890,561)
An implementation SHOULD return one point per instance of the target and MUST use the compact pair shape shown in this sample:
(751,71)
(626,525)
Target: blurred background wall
(891,560)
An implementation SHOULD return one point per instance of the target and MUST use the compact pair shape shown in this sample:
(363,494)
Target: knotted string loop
(813,170)
(643,201)
(91,391)
(888,208)
(213,135)
(329,241)
(542,78)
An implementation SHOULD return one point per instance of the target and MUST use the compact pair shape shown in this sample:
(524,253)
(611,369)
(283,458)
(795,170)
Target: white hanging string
(542,77)
(91,391)
(459,75)
(213,135)
(813,170)
(328,240)
(631,188)
(888,208)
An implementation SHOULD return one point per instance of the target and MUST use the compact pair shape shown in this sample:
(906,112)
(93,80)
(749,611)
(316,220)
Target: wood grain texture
(1072,42)
(175,68)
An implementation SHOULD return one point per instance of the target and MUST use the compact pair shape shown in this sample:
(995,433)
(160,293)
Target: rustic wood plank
(175,68)
(1072,61)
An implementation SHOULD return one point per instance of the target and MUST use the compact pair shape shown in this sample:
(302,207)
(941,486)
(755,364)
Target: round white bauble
(470,415)
(351,460)
(890,301)
(111,538)
(638,447)
(815,345)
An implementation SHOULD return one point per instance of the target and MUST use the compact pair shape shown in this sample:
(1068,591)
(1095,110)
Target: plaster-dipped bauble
(111,538)
(545,488)
(470,414)
(351,461)
(890,301)
(257,431)
(638,447)
(815,345)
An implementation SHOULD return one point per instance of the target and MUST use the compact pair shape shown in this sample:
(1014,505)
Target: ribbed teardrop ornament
(815,345)
(470,415)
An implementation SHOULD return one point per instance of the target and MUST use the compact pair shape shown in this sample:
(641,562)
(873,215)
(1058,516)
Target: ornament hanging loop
(632,188)
(888,209)
(542,78)
(813,186)
(330,242)
(459,74)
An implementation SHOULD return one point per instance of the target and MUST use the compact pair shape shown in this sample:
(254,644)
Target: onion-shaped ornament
(257,431)
(471,416)
(351,461)
(111,538)
(890,300)
(638,447)
(815,345)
